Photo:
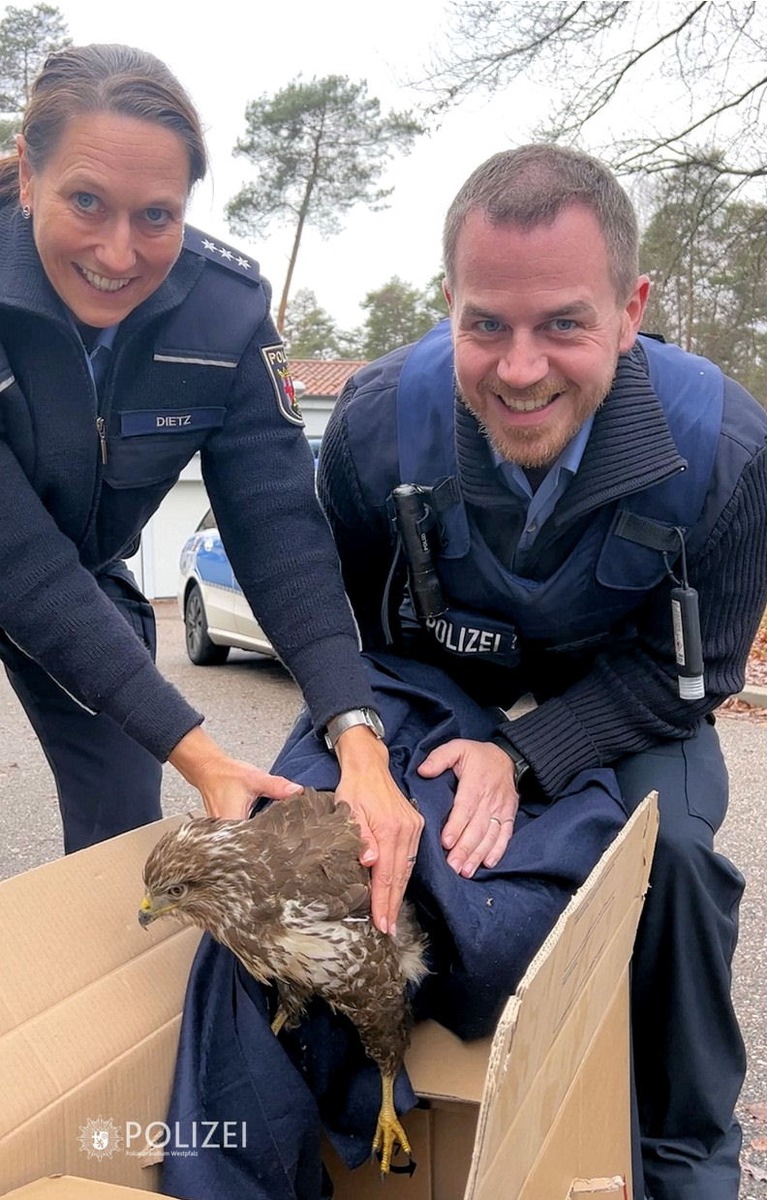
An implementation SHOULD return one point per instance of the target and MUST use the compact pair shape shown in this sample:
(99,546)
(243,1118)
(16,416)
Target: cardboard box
(90,1009)
(70,1187)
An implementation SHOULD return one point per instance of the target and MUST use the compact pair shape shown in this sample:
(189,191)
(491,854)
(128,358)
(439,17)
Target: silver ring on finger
(497,820)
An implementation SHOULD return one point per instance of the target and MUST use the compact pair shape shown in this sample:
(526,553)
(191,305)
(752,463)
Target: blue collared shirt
(98,355)
(541,503)
(98,358)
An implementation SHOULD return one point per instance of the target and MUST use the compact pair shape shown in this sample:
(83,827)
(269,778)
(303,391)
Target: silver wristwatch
(347,720)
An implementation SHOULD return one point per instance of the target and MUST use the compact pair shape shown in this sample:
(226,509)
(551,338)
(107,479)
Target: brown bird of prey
(286,893)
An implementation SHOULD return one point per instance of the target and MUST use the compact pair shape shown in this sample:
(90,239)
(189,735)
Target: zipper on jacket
(101,427)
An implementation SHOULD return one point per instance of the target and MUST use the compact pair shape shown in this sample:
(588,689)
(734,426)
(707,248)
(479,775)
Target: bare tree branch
(695,80)
(618,76)
(637,160)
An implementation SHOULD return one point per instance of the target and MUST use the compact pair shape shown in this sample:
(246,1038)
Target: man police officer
(578,485)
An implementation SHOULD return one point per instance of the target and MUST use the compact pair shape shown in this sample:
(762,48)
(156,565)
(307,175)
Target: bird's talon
(390,1137)
(407,1168)
(280,1018)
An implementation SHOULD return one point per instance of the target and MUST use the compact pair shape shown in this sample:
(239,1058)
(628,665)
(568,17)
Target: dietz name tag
(137,423)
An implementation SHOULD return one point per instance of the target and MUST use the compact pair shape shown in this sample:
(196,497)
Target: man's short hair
(531,185)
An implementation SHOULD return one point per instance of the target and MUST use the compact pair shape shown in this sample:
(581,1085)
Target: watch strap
(347,720)
(520,764)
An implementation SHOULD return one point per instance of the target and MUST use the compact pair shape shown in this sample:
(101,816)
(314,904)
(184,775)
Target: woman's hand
(389,824)
(481,822)
(228,786)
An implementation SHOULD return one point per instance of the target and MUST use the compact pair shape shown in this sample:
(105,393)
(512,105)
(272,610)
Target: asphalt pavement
(250,704)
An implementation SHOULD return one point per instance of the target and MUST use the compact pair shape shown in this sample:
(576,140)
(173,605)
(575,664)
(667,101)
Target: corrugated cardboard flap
(616,1186)
(549,1023)
(67,1187)
(89,1001)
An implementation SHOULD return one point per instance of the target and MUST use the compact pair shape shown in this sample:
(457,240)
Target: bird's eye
(176,889)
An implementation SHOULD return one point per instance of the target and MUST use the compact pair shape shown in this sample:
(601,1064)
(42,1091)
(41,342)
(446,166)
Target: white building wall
(316,413)
(156,564)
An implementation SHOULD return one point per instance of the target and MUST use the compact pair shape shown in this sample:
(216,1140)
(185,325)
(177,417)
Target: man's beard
(532,446)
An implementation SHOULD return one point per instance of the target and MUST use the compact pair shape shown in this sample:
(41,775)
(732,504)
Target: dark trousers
(689,1058)
(106,782)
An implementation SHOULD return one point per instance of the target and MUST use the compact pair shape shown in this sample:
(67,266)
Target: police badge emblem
(276,362)
(100,1138)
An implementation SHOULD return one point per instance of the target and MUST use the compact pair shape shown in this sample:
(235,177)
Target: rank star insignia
(229,257)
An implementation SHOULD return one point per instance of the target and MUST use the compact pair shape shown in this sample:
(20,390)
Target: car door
(216,577)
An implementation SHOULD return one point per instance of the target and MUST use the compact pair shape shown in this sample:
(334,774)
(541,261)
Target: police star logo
(276,363)
(100,1138)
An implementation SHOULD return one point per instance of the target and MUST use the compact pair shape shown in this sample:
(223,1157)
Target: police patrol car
(216,614)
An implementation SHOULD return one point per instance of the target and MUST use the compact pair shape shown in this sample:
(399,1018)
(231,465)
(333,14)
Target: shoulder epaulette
(222,255)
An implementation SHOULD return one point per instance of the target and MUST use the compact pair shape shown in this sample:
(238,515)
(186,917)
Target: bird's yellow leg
(389,1132)
(280,1017)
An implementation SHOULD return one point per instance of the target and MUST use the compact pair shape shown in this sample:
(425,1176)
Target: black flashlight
(417,528)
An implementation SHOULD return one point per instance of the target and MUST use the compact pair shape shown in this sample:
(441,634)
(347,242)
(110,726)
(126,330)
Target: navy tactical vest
(625,549)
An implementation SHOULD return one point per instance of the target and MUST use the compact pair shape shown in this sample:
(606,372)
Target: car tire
(201,650)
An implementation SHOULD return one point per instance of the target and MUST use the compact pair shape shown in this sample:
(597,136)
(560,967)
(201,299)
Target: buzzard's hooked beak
(146,915)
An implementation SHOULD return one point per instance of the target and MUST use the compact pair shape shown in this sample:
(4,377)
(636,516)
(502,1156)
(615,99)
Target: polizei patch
(277,365)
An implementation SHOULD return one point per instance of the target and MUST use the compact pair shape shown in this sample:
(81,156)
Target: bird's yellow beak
(145,914)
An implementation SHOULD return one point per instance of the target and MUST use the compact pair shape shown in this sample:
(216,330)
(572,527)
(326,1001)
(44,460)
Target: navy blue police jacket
(585,622)
(198,366)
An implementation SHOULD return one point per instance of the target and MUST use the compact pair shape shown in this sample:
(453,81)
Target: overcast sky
(228,53)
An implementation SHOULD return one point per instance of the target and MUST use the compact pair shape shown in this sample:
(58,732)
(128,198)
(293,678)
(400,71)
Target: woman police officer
(127,343)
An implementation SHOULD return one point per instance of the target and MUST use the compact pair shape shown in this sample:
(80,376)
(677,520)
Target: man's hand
(228,786)
(390,825)
(481,822)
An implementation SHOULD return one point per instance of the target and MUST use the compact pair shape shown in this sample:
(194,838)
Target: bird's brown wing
(313,846)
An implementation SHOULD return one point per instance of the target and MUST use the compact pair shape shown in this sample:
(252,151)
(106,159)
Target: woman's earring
(26,211)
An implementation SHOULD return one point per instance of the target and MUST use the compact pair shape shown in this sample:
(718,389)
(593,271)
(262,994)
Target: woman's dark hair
(103,78)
